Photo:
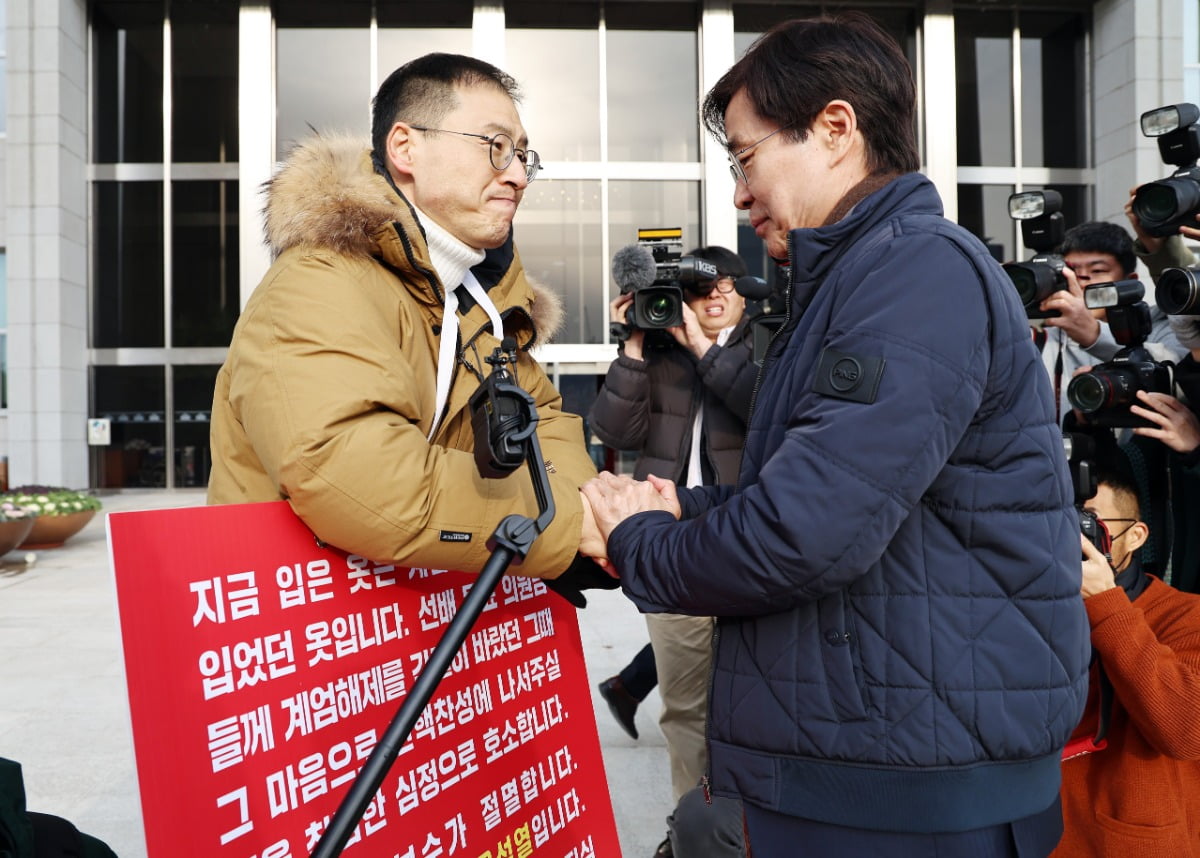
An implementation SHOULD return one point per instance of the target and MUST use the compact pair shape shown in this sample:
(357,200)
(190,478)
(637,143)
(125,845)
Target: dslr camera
(1040,215)
(1081,450)
(659,280)
(1105,394)
(1164,206)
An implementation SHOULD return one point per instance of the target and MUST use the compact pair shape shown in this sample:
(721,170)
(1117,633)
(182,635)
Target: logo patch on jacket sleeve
(455,536)
(846,376)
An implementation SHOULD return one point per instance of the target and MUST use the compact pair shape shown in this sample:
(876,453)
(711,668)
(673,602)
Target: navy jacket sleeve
(698,500)
(841,477)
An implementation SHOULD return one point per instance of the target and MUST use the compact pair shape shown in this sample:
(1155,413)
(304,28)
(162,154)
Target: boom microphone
(633,267)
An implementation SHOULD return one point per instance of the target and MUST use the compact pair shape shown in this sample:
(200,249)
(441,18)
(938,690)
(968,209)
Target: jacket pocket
(840,657)
(1129,838)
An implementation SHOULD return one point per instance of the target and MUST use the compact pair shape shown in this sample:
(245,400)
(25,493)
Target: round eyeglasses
(501,150)
(736,168)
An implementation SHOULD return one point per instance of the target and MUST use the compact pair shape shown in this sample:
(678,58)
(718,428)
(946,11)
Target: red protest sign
(263,668)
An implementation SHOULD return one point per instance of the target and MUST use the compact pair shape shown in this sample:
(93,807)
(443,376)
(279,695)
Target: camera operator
(1140,793)
(1094,252)
(682,402)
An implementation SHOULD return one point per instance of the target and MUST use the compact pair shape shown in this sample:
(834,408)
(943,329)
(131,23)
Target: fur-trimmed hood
(329,195)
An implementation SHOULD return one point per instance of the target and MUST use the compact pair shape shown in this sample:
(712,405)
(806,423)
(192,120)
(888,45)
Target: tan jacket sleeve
(334,386)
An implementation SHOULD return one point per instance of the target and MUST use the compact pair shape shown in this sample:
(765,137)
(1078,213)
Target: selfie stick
(504,418)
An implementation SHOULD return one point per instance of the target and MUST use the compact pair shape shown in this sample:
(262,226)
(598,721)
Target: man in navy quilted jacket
(901,650)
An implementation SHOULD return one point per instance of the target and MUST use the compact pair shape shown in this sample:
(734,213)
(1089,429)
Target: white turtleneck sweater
(451,258)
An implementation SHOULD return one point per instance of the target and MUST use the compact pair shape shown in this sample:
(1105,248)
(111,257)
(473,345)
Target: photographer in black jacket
(682,402)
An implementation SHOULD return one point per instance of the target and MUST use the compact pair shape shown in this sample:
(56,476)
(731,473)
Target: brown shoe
(621,703)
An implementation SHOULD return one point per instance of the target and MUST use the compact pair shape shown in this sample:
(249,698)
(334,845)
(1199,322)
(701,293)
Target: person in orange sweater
(1138,795)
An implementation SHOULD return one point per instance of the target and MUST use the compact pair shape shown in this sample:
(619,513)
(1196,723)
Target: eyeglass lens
(503,150)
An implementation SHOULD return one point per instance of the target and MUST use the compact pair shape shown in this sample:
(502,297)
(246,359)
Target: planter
(51,531)
(13,533)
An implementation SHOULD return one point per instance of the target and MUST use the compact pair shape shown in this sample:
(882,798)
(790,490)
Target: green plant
(49,500)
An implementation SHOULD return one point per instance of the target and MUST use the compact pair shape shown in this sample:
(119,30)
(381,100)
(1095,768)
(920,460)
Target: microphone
(633,268)
(751,288)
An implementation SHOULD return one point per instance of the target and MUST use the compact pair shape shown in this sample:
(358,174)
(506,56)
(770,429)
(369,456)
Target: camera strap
(448,342)
(1058,375)
(1090,744)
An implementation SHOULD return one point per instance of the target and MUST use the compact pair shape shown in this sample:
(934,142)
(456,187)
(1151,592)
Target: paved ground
(64,714)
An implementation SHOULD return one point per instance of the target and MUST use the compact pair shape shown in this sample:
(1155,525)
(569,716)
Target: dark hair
(422,92)
(1099,236)
(791,72)
(728,263)
(1114,470)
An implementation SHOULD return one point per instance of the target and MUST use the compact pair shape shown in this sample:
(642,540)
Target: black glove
(583,574)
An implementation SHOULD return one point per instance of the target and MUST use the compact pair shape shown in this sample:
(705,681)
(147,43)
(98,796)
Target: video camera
(1164,206)
(656,272)
(1105,393)
(1040,214)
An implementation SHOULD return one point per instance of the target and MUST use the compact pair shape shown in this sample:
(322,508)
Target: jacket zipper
(420,269)
(705,780)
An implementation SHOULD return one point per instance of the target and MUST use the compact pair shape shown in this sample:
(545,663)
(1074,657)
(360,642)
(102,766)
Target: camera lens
(1034,281)
(1177,292)
(1087,393)
(1155,203)
(1159,204)
(659,309)
(1025,282)
(1110,388)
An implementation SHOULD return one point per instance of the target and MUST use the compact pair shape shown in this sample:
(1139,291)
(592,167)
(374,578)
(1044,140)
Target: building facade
(138,133)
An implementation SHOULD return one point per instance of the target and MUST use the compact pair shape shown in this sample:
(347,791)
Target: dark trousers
(640,675)
(777,834)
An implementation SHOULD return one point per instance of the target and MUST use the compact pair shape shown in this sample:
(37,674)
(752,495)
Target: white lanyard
(694,475)
(448,344)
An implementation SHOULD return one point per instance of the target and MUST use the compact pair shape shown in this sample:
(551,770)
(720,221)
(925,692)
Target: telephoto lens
(1178,292)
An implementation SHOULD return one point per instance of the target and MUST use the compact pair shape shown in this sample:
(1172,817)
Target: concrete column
(1137,65)
(256,138)
(941,107)
(716,58)
(47,241)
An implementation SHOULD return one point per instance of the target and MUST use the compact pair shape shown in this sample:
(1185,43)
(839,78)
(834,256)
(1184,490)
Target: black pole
(355,802)
(504,418)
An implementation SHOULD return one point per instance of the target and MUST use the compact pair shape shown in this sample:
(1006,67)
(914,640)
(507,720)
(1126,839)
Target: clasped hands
(609,499)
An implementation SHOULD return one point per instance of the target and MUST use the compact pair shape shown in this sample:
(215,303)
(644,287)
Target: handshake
(607,501)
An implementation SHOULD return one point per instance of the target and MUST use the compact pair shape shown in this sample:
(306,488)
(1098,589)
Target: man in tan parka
(346,386)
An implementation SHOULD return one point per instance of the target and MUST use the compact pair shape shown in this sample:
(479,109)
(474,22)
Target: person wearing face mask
(682,402)
(1132,788)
